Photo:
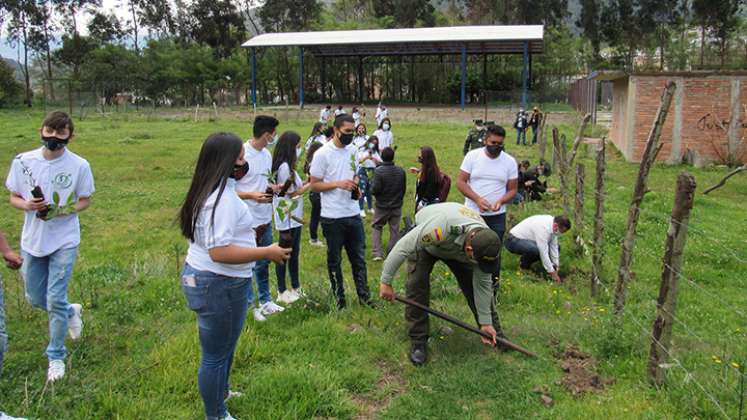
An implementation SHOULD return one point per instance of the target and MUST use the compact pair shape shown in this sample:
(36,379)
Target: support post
(579,215)
(562,170)
(485,84)
(463,86)
(579,138)
(360,79)
(525,75)
(598,249)
(649,155)
(661,336)
(300,77)
(543,136)
(324,79)
(254,79)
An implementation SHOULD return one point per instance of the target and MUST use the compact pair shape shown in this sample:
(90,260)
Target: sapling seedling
(355,192)
(285,207)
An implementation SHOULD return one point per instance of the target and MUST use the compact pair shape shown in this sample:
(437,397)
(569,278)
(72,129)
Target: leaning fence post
(542,136)
(649,155)
(559,154)
(598,250)
(579,137)
(579,219)
(672,262)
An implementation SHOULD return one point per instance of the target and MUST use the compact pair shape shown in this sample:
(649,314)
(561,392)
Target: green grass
(139,352)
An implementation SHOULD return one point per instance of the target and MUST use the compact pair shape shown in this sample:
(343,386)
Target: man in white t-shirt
(257,192)
(536,239)
(52,185)
(339,111)
(489,180)
(324,114)
(333,174)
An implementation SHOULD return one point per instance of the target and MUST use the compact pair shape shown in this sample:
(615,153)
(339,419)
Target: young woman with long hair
(218,269)
(284,167)
(317,135)
(429,179)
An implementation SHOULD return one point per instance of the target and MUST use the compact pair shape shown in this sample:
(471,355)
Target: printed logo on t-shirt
(63,180)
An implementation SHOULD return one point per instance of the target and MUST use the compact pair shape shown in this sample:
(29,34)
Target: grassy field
(139,352)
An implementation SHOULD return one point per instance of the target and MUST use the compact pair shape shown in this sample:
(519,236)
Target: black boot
(418,354)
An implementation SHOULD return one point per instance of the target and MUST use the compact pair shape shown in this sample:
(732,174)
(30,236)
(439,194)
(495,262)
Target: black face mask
(346,139)
(494,150)
(54,143)
(420,160)
(239,171)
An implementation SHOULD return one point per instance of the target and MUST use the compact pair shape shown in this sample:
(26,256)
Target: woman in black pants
(315,198)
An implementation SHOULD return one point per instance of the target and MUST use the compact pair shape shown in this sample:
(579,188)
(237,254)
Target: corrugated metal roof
(446,40)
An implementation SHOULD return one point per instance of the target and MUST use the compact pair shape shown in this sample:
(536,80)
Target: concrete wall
(708,116)
(619,115)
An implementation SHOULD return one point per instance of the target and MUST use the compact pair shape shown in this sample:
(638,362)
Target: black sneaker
(418,354)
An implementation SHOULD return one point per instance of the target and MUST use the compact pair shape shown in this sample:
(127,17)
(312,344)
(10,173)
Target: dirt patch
(579,370)
(390,385)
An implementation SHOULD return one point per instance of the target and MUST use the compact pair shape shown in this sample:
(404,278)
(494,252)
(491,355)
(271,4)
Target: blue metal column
(462,98)
(525,75)
(254,78)
(300,77)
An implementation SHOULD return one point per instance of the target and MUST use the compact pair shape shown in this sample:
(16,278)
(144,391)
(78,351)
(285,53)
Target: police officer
(459,237)
(475,137)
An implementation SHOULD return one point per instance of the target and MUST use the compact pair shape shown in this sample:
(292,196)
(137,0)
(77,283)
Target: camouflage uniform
(475,139)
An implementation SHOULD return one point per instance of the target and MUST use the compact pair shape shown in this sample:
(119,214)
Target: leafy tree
(661,15)
(289,15)
(10,89)
(218,24)
(406,13)
(105,28)
(19,27)
(589,23)
(41,36)
(720,20)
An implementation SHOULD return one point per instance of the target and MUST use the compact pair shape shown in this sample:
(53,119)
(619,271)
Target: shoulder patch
(470,213)
(456,230)
(438,234)
(427,238)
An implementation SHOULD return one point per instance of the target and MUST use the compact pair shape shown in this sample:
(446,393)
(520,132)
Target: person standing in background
(389,187)
(520,124)
(384,134)
(368,159)
(324,114)
(534,121)
(432,186)
(475,137)
(316,136)
(339,111)
(381,113)
(314,197)
(360,138)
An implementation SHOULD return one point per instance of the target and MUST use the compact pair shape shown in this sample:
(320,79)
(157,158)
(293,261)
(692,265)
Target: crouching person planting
(51,185)
(217,274)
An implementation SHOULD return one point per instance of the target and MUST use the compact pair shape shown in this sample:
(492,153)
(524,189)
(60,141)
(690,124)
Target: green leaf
(56,197)
(70,199)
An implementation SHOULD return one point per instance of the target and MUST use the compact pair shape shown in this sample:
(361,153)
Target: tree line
(187,52)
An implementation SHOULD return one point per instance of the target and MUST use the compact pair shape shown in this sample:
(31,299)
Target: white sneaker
(228,416)
(286,297)
(56,370)
(363,214)
(231,394)
(292,296)
(370,211)
(378,258)
(4,416)
(316,243)
(270,308)
(75,322)
(299,292)
(258,315)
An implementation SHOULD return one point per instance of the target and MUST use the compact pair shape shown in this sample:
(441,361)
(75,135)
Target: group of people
(239,189)
(523,121)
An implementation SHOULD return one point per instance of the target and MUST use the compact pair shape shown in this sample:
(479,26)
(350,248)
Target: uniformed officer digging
(458,236)
(475,137)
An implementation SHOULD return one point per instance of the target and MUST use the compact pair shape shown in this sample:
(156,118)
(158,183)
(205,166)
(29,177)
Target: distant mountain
(16,66)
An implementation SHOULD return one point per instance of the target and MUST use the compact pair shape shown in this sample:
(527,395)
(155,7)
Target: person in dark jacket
(389,186)
(533,186)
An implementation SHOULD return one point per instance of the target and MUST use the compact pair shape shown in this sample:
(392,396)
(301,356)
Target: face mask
(494,150)
(239,171)
(385,127)
(54,143)
(274,140)
(371,146)
(346,139)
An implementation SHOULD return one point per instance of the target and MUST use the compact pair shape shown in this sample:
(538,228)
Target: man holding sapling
(333,174)
(52,185)
(257,192)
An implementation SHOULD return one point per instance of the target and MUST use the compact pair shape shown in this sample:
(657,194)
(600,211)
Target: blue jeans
(46,280)
(292,263)
(346,232)
(521,136)
(534,134)
(364,184)
(497,224)
(262,271)
(3,334)
(221,306)
(527,249)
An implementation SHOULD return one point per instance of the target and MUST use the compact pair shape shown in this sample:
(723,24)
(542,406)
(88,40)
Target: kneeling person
(459,237)
(536,238)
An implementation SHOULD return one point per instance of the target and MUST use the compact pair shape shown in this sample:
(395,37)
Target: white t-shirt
(68,175)
(489,177)
(324,115)
(386,138)
(357,118)
(339,112)
(381,114)
(321,138)
(539,229)
(260,163)
(368,163)
(360,141)
(331,164)
(282,175)
(233,226)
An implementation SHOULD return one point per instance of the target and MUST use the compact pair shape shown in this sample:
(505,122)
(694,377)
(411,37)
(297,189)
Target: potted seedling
(55,208)
(355,193)
(271,180)
(285,207)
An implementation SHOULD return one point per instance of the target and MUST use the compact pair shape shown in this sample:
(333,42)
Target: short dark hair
(343,118)
(496,130)
(563,222)
(387,155)
(264,124)
(525,163)
(328,132)
(58,120)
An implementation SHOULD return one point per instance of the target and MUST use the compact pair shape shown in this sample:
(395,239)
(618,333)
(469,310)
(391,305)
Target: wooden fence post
(649,156)
(667,302)
(562,170)
(542,136)
(598,250)
(579,138)
(579,219)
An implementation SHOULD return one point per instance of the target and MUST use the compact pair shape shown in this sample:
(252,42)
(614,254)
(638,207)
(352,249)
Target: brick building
(707,120)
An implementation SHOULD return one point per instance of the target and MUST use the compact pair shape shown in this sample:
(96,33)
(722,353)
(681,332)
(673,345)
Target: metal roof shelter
(458,40)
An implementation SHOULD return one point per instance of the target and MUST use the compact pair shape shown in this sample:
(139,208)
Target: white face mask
(385,127)
(274,140)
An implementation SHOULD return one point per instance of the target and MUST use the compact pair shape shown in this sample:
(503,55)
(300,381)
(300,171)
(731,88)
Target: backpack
(444,186)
